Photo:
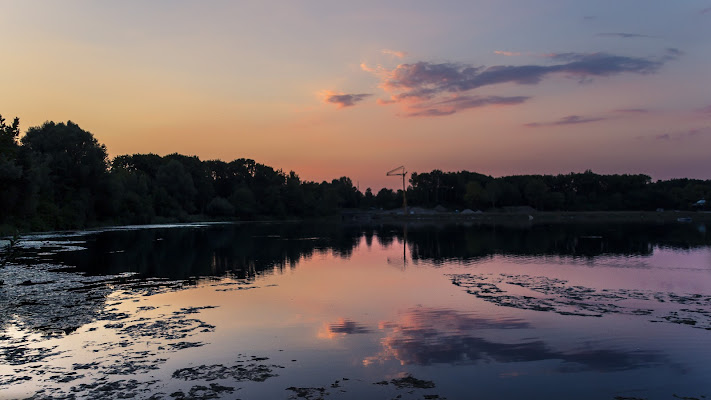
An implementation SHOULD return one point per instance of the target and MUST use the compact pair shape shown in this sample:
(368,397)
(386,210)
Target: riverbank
(534,217)
(388,216)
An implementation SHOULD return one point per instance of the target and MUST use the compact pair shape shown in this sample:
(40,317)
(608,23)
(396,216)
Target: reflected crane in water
(400,171)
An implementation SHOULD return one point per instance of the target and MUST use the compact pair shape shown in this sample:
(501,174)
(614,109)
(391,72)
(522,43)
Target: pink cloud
(508,53)
(398,54)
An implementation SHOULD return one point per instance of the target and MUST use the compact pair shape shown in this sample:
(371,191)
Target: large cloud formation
(427,89)
(427,336)
(437,89)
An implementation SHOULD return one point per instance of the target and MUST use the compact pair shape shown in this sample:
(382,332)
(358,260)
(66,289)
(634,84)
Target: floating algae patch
(200,392)
(310,393)
(231,285)
(132,349)
(409,381)
(245,369)
(556,295)
(253,372)
(102,389)
(171,328)
(41,304)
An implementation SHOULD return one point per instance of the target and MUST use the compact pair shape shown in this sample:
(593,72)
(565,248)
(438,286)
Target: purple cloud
(664,136)
(344,99)
(569,120)
(423,87)
(455,104)
(431,112)
(424,78)
(631,110)
(681,135)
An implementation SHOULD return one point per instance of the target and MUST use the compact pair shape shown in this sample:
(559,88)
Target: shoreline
(537,217)
(396,216)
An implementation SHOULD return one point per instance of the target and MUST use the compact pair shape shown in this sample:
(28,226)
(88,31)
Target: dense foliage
(59,176)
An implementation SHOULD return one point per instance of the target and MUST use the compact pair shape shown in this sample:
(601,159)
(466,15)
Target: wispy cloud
(625,35)
(508,53)
(631,110)
(344,99)
(684,135)
(459,103)
(423,87)
(398,54)
(706,110)
(705,11)
(672,54)
(678,136)
(569,120)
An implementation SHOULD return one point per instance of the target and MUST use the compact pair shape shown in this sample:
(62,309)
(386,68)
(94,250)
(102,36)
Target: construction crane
(402,173)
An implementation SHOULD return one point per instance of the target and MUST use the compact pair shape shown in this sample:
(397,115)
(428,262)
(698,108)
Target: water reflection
(246,251)
(426,336)
(171,258)
(241,251)
(341,328)
(486,318)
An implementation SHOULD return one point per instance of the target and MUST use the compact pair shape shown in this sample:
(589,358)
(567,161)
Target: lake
(337,311)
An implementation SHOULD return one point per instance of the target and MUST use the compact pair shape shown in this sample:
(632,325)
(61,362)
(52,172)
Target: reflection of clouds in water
(425,336)
(341,328)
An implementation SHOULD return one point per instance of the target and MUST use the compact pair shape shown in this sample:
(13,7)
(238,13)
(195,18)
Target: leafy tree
(535,192)
(178,185)
(10,169)
(68,172)
(220,207)
(474,196)
(493,192)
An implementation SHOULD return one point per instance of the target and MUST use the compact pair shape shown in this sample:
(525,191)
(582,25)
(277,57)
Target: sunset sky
(329,88)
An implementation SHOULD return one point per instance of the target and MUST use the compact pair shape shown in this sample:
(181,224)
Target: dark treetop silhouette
(58,176)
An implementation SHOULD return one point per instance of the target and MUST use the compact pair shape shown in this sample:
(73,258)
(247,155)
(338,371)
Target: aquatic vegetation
(310,393)
(199,392)
(409,381)
(236,373)
(555,295)
(164,320)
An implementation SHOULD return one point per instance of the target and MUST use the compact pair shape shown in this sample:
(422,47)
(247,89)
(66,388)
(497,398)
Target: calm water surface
(277,311)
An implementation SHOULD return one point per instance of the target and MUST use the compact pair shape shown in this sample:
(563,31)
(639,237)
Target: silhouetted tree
(68,173)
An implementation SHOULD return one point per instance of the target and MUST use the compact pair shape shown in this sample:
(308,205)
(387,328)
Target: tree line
(58,176)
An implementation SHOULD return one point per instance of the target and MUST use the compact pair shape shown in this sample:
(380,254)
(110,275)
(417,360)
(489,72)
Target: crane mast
(400,171)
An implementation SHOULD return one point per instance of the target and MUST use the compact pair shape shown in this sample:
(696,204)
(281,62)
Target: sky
(330,89)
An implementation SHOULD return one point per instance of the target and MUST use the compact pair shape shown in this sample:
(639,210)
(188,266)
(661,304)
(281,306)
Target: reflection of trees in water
(460,242)
(242,251)
(247,251)
(425,336)
(254,249)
